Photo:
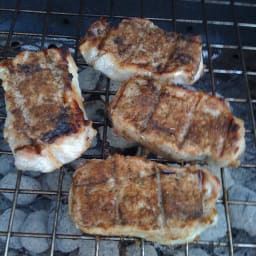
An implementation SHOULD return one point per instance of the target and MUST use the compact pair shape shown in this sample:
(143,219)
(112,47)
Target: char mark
(28,68)
(63,127)
(234,127)
(68,81)
(64,52)
(118,40)
(167,171)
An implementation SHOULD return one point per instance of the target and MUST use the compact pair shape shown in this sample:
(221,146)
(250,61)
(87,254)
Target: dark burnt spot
(92,182)
(68,80)
(124,48)
(233,127)
(63,127)
(28,68)
(150,86)
(183,58)
(38,149)
(101,44)
(70,76)
(159,68)
(118,40)
(16,111)
(52,46)
(64,52)
(168,171)
(90,35)
(87,123)
(16,45)
(164,93)
(201,177)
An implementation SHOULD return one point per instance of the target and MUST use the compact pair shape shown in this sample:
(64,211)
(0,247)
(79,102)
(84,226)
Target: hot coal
(243,216)
(228,178)
(135,250)
(115,140)
(86,248)
(245,177)
(9,181)
(108,248)
(18,220)
(6,164)
(64,226)
(36,222)
(218,231)
(89,79)
(50,181)
(95,110)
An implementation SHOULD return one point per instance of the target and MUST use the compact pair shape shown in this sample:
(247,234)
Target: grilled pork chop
(132,196)
(46,124)
(176,123)
(138,47)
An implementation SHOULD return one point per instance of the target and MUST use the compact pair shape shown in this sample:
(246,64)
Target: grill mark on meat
(44,103)
(63,127)
(231,132)
(138,46)
(145,122)
(154,125)
(117,210)
(184,196)
(185,132)
(160,199)
(66,124)
(181,124)
(118,96)
(176,201)
(93,183)
(28,68)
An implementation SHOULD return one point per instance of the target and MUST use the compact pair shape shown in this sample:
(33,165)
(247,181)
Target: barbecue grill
(229,50)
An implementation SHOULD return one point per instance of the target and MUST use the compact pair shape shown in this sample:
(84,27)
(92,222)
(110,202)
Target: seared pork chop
(46,124)
(138,47)
(176,123)
(132,196)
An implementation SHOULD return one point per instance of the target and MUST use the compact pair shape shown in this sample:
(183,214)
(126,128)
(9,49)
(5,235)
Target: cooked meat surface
(176,123)
(46,124)
(132,196)
(138,47)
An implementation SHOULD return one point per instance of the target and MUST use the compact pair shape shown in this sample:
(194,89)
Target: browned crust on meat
(176,123)
(45,107)
(137,44)
(120,196)
(52,118)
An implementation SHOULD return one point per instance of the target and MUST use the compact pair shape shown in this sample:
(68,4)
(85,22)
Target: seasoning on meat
(46,124)
(176,123)
(132,196)
(138,47)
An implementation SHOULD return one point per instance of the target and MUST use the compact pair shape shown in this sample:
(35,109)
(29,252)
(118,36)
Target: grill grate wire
(173,21)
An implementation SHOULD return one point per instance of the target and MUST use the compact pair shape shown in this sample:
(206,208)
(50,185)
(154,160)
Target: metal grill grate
(227,28)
